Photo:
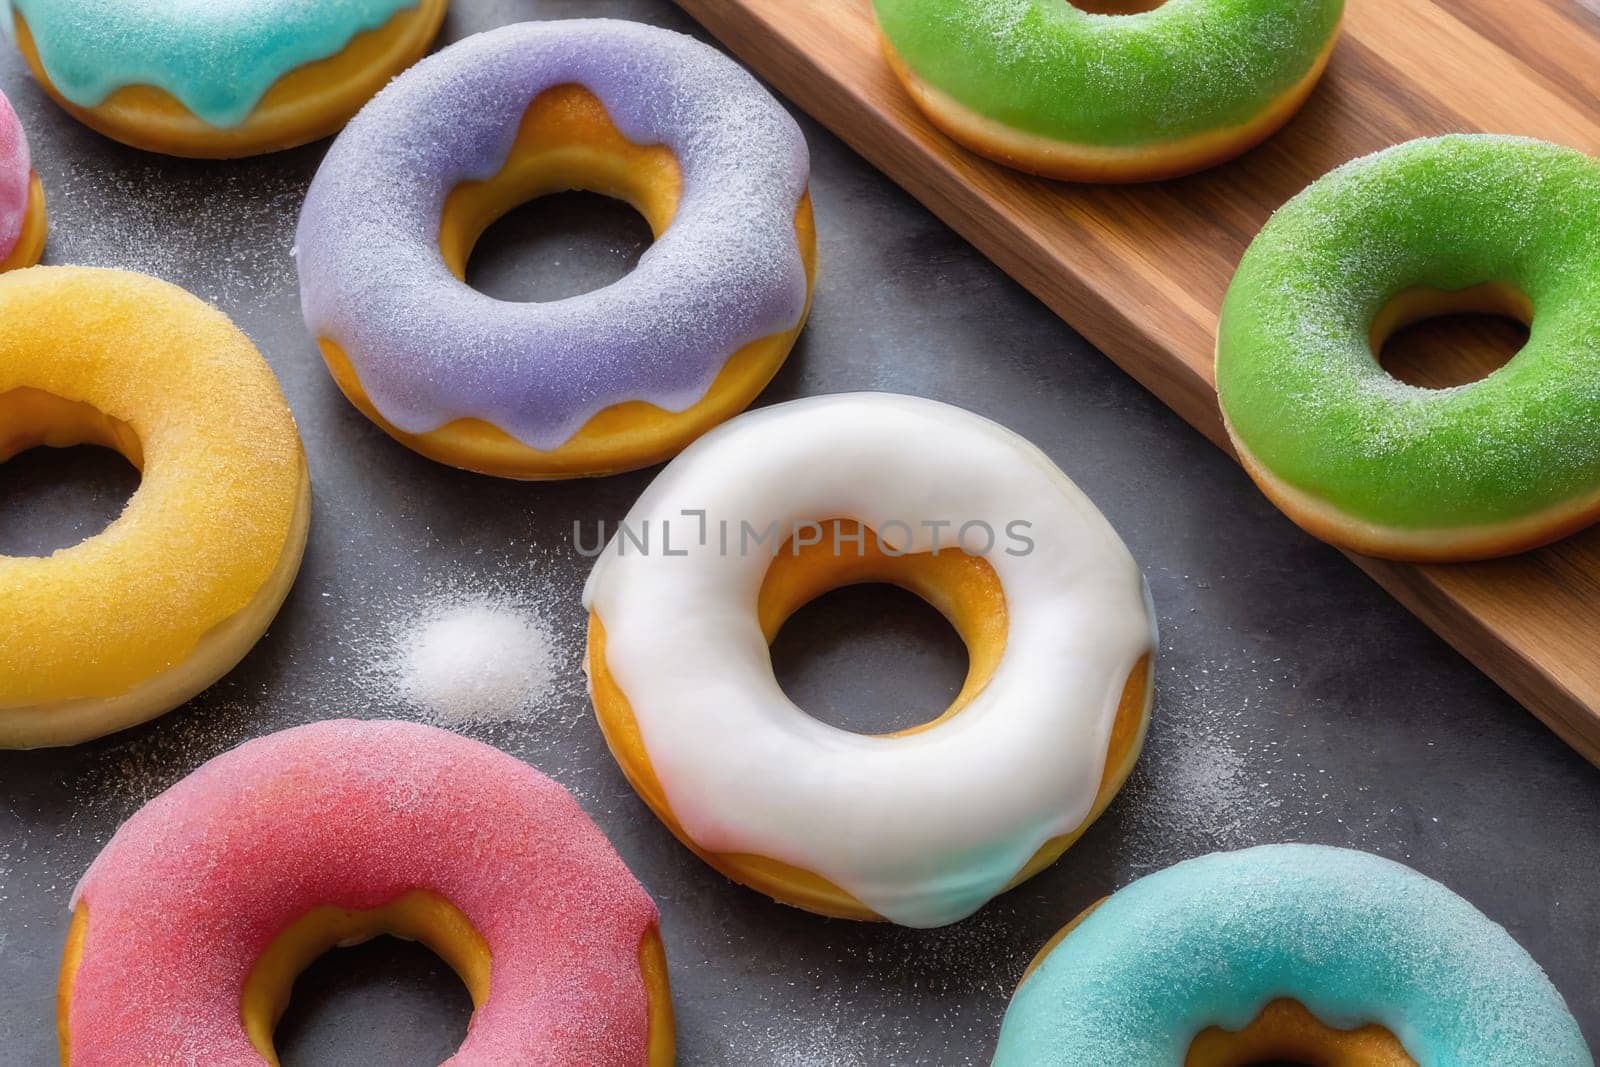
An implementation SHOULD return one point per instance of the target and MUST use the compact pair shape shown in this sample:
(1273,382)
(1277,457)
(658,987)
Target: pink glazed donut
(189,928)
(22,216)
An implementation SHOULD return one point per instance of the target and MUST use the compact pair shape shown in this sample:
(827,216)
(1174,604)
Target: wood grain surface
(1140,271)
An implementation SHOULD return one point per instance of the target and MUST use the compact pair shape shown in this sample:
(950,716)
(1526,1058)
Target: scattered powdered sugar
(787,1039)
(223,234)
(476,661)
(1208,777)
(1225,764)
(134,767)
(919,983)
(463,651)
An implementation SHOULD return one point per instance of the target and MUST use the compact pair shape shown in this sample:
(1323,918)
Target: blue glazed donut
(217,80)
(1357,940)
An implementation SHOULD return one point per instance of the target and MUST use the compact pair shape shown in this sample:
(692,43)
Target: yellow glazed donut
(605,381)
(920,827)
(137,619)
(218,81)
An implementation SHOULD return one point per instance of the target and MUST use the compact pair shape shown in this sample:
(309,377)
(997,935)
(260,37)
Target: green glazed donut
(1050,87)
(1373,464)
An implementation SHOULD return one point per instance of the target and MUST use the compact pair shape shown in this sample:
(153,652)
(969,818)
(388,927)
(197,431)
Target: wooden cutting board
(1140,271)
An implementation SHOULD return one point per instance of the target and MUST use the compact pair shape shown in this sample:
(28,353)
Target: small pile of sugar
(481,661)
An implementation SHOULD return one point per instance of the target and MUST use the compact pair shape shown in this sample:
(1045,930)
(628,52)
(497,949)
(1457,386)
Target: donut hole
(384,1001)
(558,246)
(831,658)
(1287,1034)
(295,959)
(1439,339)
(1116,7)
(67,471)
(837,609)
(555,221)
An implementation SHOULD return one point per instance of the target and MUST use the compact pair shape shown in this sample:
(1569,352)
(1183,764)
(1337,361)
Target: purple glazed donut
(609,380)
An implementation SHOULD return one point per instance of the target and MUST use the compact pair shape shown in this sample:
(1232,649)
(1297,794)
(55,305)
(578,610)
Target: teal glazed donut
(1378,466)
(1355,939)
(1109,90)
(214,79)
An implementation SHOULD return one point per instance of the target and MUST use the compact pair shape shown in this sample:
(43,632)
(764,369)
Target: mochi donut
(217,80)
(22,215)
(1297,953)
(190,927)
(1109,90)
(610,380)
(140,617)
(1372,464)
(777,507)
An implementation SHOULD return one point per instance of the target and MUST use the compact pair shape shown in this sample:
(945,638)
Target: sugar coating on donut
(217,59)
(1355,938)
(429,349)
(16,171)
(1296,372)
(194,887)
(1047,67)
(219,494)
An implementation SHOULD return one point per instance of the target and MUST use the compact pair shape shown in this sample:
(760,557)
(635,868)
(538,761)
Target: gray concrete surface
(1297,702)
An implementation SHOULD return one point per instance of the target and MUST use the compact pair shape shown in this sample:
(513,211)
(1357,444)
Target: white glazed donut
(923,827)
